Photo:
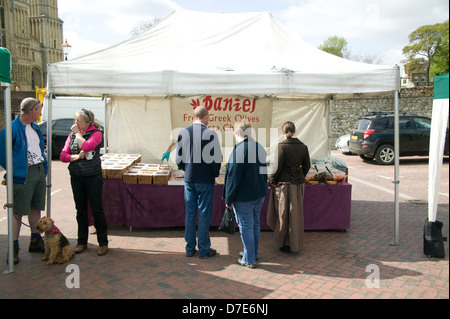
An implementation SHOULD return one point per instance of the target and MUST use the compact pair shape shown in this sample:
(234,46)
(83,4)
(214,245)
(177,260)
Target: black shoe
(285,249)
(37,245)
(16,254)
(212,253)
(190,254)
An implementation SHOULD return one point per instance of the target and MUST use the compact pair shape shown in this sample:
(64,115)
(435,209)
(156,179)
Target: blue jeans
(247,217)
(198,197)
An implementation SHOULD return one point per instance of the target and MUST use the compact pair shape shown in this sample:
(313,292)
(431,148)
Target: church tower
(32,32)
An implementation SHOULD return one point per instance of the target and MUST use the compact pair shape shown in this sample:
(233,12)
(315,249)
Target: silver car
(342,144)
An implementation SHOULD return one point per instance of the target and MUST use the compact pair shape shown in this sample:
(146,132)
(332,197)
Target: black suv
(374,137)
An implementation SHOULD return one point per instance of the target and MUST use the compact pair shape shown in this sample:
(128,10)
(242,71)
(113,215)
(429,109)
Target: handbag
(228,220)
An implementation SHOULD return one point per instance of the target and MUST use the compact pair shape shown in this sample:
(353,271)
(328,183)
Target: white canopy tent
(155,79)
(197,54)
(192,53)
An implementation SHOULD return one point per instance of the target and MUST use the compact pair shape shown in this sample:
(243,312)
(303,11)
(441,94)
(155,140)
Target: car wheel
(365,158)
(385,155)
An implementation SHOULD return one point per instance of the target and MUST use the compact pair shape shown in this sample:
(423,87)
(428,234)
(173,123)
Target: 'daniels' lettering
(227,104)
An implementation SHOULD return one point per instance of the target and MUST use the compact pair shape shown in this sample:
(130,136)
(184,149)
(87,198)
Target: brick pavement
(150,263)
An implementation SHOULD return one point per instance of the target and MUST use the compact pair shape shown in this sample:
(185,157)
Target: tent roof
(193,52)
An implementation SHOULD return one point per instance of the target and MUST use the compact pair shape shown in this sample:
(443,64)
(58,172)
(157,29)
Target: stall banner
(224,112)
(148,125)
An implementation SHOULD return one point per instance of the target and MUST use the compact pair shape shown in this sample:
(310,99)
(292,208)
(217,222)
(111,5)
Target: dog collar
(53,230)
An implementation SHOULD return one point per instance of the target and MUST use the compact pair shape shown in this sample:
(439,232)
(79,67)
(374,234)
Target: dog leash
(21,221)
(10,206)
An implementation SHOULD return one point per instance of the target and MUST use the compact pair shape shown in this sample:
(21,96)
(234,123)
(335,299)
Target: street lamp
(66,49)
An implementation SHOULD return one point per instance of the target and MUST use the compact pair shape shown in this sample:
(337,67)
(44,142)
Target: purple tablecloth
(326,206)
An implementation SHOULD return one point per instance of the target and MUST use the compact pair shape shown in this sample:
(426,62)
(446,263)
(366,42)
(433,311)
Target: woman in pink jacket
(82,151)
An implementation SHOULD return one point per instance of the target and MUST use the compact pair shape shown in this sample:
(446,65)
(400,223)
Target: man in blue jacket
(29,171)
(199,155)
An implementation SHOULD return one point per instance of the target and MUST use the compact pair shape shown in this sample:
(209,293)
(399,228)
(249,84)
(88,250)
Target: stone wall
(348,109)
(16,98)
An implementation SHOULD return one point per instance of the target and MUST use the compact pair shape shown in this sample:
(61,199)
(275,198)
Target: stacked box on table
(115,165)
(161,177)
(146,174)
(131,175)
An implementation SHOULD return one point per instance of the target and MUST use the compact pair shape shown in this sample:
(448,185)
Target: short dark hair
(200,112)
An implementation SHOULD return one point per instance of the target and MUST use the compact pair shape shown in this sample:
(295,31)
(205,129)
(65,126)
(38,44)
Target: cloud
(381,27)
(82,46)
(106,22)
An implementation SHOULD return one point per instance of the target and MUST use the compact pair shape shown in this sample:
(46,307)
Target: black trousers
(86,190)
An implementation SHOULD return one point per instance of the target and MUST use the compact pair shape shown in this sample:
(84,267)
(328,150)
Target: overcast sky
(377,28)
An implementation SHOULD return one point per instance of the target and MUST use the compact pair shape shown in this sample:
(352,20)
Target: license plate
(354,137)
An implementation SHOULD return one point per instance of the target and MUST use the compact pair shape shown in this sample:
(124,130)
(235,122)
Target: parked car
(60,132)
(342,144)
(374,137)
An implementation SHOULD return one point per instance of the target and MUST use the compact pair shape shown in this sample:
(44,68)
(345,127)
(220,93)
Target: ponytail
(288,129)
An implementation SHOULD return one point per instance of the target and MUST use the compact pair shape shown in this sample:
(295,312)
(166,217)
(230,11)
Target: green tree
(428,47)
(334,45)
(338,46)
(440,63)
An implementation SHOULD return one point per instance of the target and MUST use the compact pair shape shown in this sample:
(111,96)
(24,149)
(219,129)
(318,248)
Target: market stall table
(326,207)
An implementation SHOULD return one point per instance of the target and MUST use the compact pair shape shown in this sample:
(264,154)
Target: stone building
(32,32)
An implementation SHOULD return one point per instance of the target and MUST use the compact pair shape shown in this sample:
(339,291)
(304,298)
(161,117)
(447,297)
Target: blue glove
(165,156)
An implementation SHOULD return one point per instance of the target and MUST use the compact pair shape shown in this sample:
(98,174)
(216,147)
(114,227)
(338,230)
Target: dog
(57,247)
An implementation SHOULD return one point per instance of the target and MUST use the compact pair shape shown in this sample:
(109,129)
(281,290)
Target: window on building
(2,16)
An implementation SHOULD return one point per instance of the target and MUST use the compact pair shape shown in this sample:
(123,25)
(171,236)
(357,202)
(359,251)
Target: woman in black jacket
(285,212)
(82,151)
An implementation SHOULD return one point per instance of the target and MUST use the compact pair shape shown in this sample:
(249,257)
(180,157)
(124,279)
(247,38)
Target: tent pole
(9,176)
(396,171)
(330,110)
(105,133)
(49,153)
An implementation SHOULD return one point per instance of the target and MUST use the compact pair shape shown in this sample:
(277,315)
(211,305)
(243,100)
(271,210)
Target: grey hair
(28,104)
(88,116)
(243,129)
